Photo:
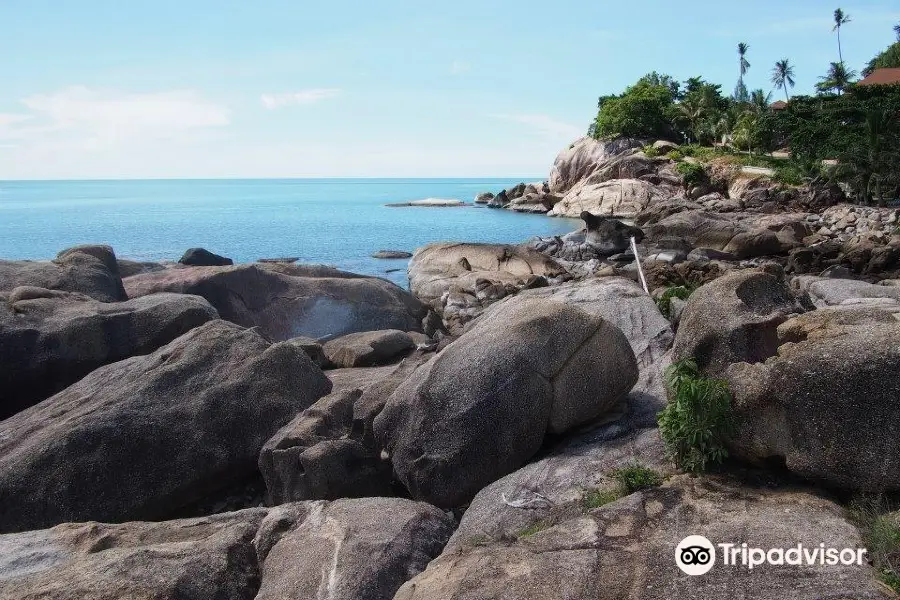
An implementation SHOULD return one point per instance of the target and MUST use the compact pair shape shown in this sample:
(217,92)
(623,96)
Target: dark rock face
(88,270)
(287,301)
(127,268)
(735,319)
(501,200)
(482,407)
(609,236)
(388,254)
(200,257)
(368,348)
(49,340)
(828,405)
(143,437)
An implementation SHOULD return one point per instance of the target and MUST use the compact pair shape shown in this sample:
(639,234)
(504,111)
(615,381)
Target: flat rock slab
(143,437)
(626,549)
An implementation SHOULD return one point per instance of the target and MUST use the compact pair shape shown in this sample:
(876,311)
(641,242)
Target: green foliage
(881,534)
(675,155)
(693,173)
(889,59)
(601,497)
(636,477)
(644,110)
(664,302)
(534,528)
(698,421)
(650,151)
(789,174)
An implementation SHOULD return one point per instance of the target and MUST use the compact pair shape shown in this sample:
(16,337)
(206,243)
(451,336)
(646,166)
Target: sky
(95,89)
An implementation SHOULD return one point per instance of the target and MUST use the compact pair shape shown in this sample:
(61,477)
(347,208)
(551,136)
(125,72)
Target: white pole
(637,259)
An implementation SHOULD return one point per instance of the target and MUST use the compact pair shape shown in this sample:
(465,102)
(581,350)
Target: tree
(783,76)
(760,100)
(838,78)
(897,31)
(889,59)
(840,19)
(646,109)
(740,91)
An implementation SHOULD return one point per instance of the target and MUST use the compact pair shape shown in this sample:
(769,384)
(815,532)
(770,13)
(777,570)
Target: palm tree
(693,111)
(897,31)
(742,52)
(783,76)
(840,19)
(839,78)
(760,100)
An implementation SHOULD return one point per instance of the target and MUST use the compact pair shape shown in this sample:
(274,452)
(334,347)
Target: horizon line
(300,178)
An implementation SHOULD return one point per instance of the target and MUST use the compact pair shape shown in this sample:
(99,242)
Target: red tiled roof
(779,105)
(882,77)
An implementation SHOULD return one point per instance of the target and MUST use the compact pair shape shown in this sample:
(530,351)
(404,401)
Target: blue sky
(202,88)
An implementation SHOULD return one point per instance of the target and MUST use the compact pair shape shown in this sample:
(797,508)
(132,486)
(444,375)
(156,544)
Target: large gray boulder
(583,157)
(353,549)
(735,319)
(458,281)
(89,270)
(368,348)
(143,437)
(209,557)
(286,301)
(626,549)
(51,339)
(623,303)
(622,198)
(483,406)
(825,291)
(828,405)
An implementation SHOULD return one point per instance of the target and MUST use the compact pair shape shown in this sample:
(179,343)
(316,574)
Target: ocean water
(338,222)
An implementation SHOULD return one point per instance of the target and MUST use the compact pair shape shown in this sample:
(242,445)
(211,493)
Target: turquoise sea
(339,222)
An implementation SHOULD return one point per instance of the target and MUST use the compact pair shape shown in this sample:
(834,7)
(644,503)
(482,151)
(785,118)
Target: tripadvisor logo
(696,555)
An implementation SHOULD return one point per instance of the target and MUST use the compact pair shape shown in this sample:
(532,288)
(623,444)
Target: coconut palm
(760,101)
(897,31)
(783,76)
(840,19)
(839,78)
(740,91)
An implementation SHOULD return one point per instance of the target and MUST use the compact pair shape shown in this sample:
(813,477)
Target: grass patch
(694,174)
(664,302)
(636,478)
(601,497)
(881,535)
(650,152)
(534,529)
(698,421)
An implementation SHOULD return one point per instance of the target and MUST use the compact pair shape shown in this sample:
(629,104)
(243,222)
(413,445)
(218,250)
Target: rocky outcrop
(209,557)
(828,405)
(735,319)
(51,339)
(88,270)
(287,301)
(344,550)
(600,238)
(352,549)
(368,348)
(825,291)
(392,254)
(625,550)
(459,280)
(143,437)
(581,158)
(622,198)
(201,257)
(483,406)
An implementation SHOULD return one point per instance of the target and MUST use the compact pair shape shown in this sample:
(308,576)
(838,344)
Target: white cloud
(303,97)
(459,67)
(88,118)
(545,125)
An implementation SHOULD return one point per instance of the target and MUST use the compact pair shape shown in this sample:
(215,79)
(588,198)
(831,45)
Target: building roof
(882,77)
(778,105)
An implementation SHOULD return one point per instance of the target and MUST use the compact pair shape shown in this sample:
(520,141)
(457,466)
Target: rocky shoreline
(273,430)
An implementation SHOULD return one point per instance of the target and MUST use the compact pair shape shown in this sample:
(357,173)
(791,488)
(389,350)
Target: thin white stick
(637,259)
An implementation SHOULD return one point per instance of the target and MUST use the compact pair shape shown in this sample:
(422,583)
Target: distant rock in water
(429,202)
(200,257)
(392,254)
(288,260)
(484,198)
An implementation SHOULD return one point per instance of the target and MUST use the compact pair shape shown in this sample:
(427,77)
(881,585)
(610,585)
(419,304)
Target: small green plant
(601,497)
(675,155)
(534,528)
(693,173)
(664,302)
(881,534)
(636,478)
(698,421)
(650,151)
(788,175)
